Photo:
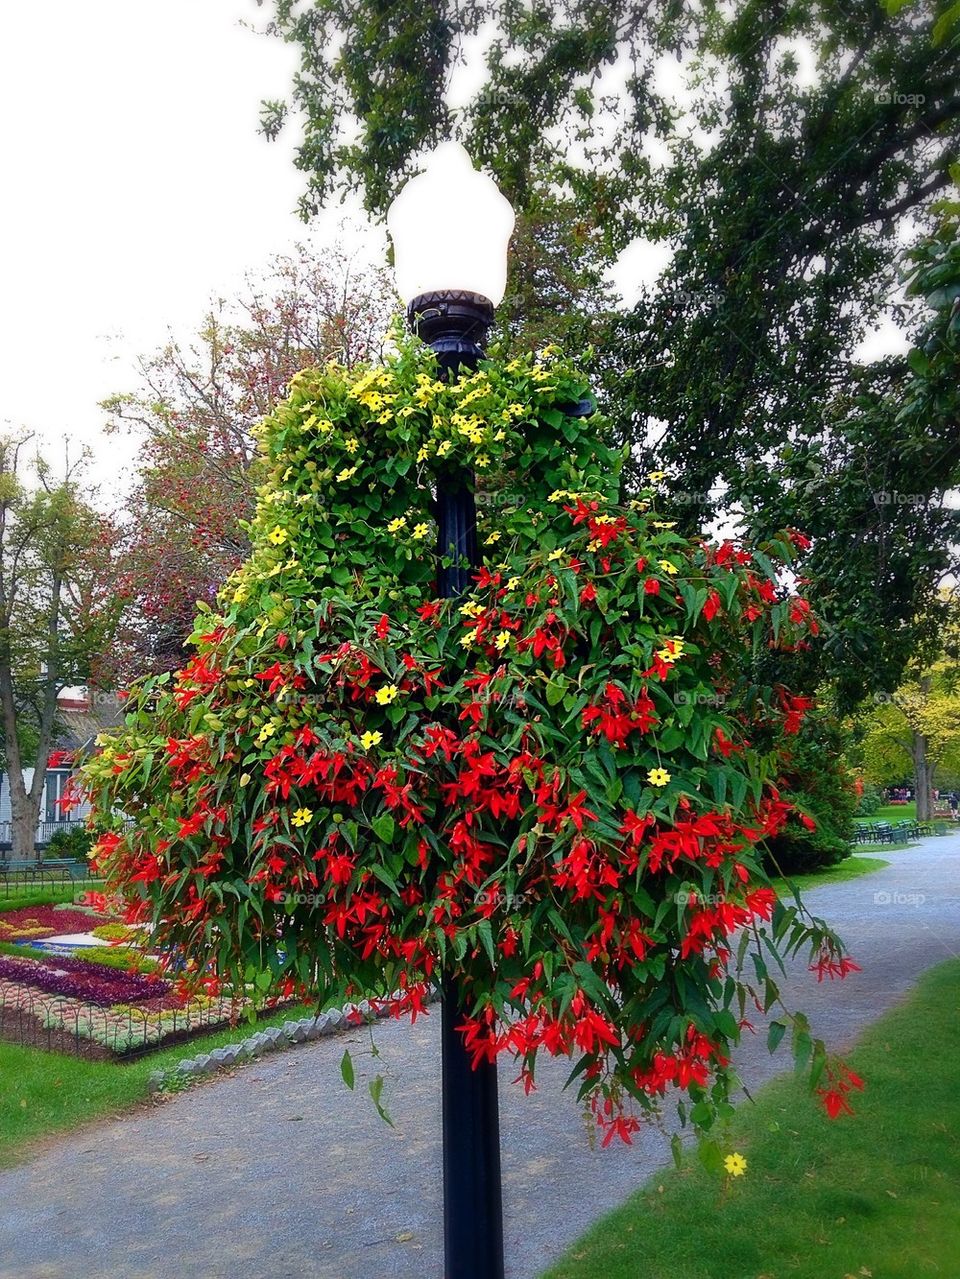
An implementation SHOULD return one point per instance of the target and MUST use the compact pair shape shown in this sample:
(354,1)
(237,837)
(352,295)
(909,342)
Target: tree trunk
(922,778)
(25,814)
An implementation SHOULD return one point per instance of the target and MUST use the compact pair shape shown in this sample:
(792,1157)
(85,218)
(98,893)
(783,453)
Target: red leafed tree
(195,410)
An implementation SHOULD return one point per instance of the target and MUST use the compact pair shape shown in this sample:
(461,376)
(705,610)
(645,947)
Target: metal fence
(36,1020)
(29,881)
(45,832)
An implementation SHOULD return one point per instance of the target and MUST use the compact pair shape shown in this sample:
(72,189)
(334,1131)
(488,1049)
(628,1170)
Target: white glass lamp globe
(450,226)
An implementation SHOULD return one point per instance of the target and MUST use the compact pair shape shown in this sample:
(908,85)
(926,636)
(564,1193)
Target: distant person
(954,800)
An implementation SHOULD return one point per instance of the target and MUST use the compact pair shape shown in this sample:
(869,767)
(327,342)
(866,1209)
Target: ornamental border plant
(555,788)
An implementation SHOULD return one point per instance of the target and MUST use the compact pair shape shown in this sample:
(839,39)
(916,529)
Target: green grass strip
(873,1195)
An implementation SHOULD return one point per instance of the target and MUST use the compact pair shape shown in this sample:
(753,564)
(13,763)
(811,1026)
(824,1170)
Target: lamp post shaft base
(473,1210)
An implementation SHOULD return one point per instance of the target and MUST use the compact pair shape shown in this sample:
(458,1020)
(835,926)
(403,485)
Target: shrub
(871,801)
(74,842)
(543,789)
(820,787)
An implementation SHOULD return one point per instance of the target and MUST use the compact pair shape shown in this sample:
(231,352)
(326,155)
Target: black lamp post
(433,248)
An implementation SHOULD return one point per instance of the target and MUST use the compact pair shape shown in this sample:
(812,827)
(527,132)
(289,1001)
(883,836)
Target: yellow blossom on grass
(301,816)
(735,1165)
(658,777)
(370,739)
(387,694)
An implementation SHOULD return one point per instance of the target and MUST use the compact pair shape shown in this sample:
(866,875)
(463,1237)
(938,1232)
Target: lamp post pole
(454,323)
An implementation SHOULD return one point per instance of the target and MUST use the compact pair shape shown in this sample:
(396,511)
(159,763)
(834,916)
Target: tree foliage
(58,608)
(195,412)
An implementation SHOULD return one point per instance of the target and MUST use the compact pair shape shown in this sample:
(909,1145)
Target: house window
(55,784)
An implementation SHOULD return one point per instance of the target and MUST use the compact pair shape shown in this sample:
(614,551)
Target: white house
(81,715)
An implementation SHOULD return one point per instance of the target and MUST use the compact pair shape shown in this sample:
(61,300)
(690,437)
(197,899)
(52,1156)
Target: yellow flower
(278,536)
(387,694)
(471,609)
(240,594)
(513,583)
(468,639)
(445,447)
(664,523)
(370,739)
(423,453)
(500,436)
(502,640)
(517,410)
(346,473)
(324,426)
(406,410)
(658,777)
(668,567)
(482,460)
(266,732)
(494,537)
(555,555)
(396,525)
(656,476)
(351,445)
(420,532)
(301,816)
(735,1165)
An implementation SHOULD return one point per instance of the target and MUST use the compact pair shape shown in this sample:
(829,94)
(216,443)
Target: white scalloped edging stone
(272,1039)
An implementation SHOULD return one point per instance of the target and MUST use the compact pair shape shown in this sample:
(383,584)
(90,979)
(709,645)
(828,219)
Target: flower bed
(78,979)
(33,922)
(29,1015)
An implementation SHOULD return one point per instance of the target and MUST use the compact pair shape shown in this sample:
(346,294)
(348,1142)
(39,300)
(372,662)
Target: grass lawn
(851,868)
(872,1195)
(42,1093)
(892,813)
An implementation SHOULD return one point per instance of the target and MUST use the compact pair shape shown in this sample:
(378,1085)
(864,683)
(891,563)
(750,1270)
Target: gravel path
(278,1171)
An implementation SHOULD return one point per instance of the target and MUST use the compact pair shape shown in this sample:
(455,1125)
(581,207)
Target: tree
(196,411)
(58,606)
(783,194)
(917,727)
(547,789)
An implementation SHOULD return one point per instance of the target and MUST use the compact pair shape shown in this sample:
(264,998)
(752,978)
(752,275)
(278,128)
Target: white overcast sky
(134,186)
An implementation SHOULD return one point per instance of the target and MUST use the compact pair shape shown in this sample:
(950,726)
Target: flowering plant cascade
(548,787)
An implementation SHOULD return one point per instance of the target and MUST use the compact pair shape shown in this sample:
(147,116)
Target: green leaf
(376,1092)
(384,827)
(775,1033)
(346,1069)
